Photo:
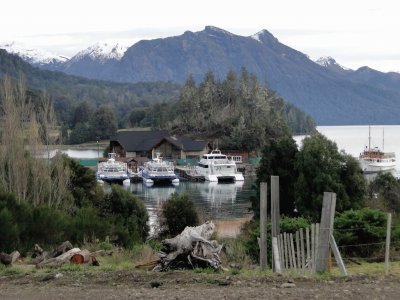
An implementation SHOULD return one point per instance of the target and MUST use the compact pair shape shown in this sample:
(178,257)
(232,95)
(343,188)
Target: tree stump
(190,248)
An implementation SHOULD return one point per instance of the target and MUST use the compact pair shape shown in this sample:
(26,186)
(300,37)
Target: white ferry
(112,171)
(217,167)
(158,171)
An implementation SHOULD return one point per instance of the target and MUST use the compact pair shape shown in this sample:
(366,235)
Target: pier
(188,173)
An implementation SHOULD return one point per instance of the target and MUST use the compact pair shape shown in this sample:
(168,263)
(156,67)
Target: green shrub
(9,232)
(87,224)
(252,231)
(364,228)
(129,216)
(178,212)
(49,227)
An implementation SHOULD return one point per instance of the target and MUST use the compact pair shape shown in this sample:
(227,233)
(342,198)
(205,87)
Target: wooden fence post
(303,261)
(287,252)
(274,212)
(263,225)
(308,248)
(298,253)
(277,262)
(387,248)
(313,247)
(326,228)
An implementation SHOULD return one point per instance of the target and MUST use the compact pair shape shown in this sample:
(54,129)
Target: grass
(126,260)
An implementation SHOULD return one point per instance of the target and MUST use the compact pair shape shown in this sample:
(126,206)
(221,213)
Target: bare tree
(25,135)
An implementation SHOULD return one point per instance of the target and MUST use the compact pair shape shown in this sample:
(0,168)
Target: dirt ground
(191,285)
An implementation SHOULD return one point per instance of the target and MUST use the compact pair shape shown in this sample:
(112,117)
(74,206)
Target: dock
(188,173)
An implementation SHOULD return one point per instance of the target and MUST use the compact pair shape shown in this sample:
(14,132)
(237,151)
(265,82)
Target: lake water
(214,201)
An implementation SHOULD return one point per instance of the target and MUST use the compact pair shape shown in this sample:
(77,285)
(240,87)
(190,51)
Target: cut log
(37,251)
(191,247)
(81,257)
(59,260)
(5,259)
(40,258)
(64,247)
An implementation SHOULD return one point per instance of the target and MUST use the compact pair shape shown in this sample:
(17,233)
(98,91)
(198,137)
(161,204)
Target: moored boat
(112,171)
(158,171)
(217,167)
(374,160)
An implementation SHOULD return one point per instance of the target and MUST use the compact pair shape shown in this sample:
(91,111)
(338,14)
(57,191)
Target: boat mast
(369,138)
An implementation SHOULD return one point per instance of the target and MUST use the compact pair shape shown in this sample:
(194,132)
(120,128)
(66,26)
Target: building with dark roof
(145,144)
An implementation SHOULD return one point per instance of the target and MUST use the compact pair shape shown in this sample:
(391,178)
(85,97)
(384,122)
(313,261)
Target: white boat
(112,171)
(374,160)
(158,171)
(217,167)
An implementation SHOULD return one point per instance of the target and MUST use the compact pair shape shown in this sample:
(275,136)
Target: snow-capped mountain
(101,52)
(330,63)
(95,61)
(33,56)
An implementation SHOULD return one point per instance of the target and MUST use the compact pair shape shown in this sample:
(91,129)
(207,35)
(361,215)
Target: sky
(355,32)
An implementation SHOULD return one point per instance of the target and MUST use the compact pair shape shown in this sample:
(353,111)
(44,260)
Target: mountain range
(330,93)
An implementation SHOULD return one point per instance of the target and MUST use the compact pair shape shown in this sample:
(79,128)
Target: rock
(223,282)
(287,285)
(155,284)
(235,266)
(52,276)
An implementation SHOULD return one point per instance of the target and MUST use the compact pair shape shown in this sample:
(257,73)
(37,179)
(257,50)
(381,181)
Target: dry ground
(137,284)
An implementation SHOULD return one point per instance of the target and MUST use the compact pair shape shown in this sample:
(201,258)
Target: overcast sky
(356,33)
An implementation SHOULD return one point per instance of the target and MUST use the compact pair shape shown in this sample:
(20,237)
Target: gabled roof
(139,140)
(133,141)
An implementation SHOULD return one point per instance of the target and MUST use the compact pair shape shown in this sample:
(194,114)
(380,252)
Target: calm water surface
(214,201)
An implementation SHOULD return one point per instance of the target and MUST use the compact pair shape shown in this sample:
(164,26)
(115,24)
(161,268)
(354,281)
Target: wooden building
(142,145)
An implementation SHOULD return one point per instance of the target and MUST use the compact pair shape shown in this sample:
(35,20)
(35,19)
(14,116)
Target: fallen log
(14,256)
(39,255)
(59,260)
(64,247)
(190,248)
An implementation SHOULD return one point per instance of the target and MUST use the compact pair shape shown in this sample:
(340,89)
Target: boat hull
(224,178)
(371,169)
(157,179)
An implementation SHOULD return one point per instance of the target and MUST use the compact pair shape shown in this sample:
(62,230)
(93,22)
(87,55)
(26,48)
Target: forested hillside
(69,91)
(238,111)
(234,110)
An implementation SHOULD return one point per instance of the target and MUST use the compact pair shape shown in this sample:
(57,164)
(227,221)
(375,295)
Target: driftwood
(190,248)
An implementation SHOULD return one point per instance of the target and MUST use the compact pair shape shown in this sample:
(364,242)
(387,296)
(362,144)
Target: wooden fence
(298,250)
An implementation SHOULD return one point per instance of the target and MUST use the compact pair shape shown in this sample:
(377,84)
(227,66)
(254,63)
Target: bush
(129,216)
(252,231)
(9,232)
(178,212)
(87,224)
(361,228)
